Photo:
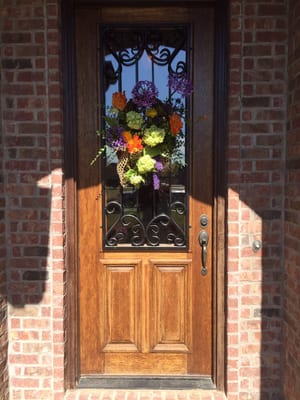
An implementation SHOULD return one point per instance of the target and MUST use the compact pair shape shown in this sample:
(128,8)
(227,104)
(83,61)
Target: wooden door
(145,311)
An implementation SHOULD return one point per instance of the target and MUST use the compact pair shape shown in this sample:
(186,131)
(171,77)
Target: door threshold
(163,382)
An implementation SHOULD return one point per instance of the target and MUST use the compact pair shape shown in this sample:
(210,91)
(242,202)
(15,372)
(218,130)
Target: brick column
(291,347)
(33,181)
(255,199)
(3,334)
(3,254)
(233,155)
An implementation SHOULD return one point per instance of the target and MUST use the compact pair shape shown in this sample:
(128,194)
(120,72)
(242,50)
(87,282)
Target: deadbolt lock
(204,221)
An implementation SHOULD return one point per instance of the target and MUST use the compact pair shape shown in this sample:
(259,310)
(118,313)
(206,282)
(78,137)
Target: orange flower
(119,100)
(133,143)
(175,123)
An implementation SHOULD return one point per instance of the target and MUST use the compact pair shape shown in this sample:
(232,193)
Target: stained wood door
(145,312)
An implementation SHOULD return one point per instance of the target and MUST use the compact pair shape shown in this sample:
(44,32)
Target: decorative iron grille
(144,217)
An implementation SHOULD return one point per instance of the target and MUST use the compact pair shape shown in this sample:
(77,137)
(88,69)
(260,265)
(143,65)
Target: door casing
(220,92)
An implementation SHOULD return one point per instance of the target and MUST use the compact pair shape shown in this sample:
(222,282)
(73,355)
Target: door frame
(72,367)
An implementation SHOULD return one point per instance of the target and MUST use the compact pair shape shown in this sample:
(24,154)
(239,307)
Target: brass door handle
(203,240)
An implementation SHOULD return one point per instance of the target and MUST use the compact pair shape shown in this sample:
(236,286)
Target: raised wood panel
(151,363)
(120,306)
(170,308)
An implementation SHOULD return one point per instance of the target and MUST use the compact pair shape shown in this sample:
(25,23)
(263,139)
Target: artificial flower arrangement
(145,133)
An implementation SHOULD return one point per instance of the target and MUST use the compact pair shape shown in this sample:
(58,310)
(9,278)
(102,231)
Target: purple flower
(114,138)
(159,166)
(181,84)
(118,144)
(156,182)
(144,94)
(113,133)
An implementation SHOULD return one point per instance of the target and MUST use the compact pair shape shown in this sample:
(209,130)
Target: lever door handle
(203,240)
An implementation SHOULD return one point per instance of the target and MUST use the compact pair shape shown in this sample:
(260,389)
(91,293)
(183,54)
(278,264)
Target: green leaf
(111,121)
(153,151)
(100,152)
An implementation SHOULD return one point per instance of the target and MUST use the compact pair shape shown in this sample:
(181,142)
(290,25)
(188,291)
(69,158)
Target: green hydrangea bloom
(153,136)
(133,178)
(145,164)
(134,120)
(136,180)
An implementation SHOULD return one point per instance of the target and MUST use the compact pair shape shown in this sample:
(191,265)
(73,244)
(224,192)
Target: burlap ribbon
(121,167)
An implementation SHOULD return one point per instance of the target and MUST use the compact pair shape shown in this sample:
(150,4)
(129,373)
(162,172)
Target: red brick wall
(32,160)
(3,339)
(292,215)
(255,201)
(3,343)
(3,253)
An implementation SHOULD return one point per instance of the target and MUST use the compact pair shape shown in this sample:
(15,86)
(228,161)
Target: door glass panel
(144,73)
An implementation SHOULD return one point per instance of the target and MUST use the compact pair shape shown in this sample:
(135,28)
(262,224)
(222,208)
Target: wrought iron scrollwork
(163,229)
(128,228)
(178,207)
(149,41)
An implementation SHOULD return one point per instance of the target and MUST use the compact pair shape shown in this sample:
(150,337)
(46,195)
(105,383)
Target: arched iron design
(128,51)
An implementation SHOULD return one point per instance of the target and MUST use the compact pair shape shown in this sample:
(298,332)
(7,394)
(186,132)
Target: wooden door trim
(220,193)
(71,327)
(72,372)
